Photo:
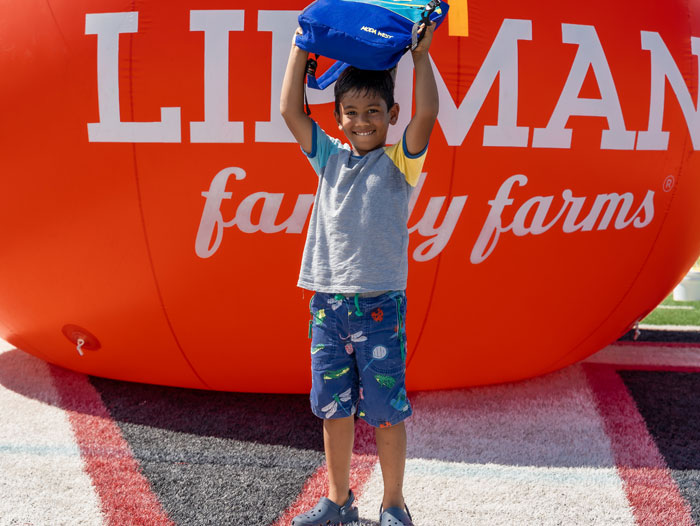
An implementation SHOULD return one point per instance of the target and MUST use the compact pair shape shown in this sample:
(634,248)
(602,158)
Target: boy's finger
(422,28)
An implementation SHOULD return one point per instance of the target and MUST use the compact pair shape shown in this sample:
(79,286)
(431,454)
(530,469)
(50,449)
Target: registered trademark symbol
(669,182)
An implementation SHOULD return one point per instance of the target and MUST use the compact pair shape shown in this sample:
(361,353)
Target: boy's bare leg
(391,448)
(338,437)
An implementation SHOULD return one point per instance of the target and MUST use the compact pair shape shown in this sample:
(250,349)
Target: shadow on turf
(272,419)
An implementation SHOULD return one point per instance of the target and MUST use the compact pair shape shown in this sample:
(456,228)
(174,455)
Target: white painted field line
(42,480)
(647,353)
(650,327)
(531,452)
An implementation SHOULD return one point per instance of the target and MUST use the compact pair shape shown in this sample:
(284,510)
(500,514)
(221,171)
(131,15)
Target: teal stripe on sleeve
(323,147)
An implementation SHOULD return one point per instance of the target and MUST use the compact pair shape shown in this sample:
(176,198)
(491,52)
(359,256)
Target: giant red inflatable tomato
(155,204)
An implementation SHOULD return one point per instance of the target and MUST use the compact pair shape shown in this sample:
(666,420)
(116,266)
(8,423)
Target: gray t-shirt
(358,238)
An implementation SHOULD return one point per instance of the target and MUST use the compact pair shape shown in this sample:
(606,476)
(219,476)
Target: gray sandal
(395,517)
(326,512)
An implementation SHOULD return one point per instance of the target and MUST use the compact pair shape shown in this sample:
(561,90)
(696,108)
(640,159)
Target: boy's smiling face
(365,120)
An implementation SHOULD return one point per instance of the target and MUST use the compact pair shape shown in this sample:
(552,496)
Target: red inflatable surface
(155,205)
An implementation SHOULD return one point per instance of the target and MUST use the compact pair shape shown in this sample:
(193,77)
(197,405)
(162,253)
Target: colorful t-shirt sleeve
(323,146)
(409,165)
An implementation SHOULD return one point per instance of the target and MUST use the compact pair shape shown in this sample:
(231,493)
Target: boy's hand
(424,43)
(294,37)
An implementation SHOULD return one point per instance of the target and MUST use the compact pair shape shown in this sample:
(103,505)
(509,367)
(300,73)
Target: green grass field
(671,312)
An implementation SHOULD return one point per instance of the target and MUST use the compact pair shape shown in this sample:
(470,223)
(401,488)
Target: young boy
(356,260)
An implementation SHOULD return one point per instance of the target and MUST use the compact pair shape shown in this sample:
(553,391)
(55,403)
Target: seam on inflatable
(563,359)
(58,27)
(143,220)
(447,200)
(427,313)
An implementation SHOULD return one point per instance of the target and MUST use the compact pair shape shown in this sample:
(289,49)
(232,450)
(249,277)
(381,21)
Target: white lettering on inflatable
(664,67)
(610,202)
(590,54)
(456,121)
(501,61)
(108,27)
(438,235)
(575,205)
(216,128)
(270,210)
(646,208)
(212,224)
(616,207)
(492,229)
(427,225)
(281,24)
(537,225)
(607,209)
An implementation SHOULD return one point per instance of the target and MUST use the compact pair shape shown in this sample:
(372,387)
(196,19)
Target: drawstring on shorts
(358,312)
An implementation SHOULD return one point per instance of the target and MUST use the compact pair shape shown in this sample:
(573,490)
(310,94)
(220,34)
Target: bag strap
(325,80)
(310,72)
(425,19)
(328,78)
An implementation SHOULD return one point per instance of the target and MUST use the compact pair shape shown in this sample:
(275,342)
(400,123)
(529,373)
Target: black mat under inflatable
(211,457)
(670,405)
(663,335)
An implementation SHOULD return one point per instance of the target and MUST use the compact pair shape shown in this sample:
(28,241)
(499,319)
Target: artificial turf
(670,312)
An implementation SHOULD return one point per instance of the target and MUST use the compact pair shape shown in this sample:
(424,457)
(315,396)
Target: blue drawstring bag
(368,34)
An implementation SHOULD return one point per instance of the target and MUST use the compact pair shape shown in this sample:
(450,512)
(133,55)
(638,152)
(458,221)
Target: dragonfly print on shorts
(336,301)
(338,401)
(355,337)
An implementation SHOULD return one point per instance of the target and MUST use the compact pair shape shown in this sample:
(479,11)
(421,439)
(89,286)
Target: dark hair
(367,82)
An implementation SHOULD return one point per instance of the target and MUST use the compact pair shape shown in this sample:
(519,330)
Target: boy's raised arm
(426,96)
(292,98)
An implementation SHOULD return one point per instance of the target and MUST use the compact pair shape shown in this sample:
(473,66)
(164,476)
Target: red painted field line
(648,367)
(364,459)
(628,343)
(125,494)
(651,491)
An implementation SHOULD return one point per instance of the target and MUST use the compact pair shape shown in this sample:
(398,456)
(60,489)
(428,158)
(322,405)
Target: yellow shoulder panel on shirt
(410,167)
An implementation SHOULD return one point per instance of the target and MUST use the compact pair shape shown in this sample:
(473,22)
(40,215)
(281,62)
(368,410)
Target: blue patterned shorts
(358,357)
